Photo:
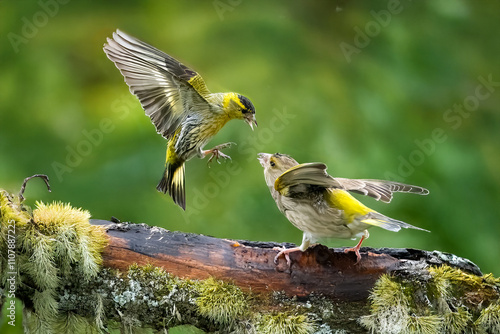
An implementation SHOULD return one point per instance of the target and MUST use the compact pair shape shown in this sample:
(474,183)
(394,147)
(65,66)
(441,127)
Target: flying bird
(179,105)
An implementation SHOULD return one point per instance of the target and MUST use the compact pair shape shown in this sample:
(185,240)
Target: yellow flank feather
(198,84)
(172,157)
(342,200)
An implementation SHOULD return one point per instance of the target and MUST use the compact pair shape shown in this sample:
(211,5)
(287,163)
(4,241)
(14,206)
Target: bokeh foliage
(363,115)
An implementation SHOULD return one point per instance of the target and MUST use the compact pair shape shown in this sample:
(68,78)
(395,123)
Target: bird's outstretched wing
(166,88)
(379,189)
(298,178)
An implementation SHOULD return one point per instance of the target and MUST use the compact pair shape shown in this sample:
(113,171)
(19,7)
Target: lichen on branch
(447,300)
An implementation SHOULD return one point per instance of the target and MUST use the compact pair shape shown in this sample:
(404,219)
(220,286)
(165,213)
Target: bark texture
(250,265)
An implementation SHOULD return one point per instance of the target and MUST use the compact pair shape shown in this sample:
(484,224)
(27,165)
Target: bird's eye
(272,164)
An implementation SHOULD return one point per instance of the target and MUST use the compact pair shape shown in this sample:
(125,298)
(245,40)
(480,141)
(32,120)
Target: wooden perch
(320,270)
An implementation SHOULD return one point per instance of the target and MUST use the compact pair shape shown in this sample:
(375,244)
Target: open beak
(251,121)
(264,159)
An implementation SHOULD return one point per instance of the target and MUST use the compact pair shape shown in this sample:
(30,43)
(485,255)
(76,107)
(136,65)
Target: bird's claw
(216,152)
(282,251)
(356,251)
(285,251)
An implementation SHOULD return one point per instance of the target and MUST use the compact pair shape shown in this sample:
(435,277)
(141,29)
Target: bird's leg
(356,248)
(216,152)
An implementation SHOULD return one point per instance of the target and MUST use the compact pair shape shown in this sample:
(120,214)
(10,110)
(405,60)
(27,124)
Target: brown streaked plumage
(320,205)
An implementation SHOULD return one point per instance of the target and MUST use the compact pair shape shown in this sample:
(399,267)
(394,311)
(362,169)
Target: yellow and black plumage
(179,104)
(320,205)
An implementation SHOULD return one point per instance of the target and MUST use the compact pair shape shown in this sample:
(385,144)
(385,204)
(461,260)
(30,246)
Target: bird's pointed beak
(264,158)
(251,121)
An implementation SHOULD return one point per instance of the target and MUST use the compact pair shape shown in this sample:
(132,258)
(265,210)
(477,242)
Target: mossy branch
(79,275)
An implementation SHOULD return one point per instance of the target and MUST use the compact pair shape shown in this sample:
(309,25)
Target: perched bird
(179,104)
(320,205)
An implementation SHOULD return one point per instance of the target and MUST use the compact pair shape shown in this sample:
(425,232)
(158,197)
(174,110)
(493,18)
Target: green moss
(75,324)
(285,323)
(58,242)
(489,319)
(388,293)
(457,322)
(448,281)
(448,301)
(221,302)
(48,246)
(491,280)
(424,324)
(185,329)
(75,241)
(11,209)
(13,215)
(390,306)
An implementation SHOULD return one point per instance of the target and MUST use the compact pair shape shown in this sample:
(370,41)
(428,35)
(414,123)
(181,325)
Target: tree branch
(320,270)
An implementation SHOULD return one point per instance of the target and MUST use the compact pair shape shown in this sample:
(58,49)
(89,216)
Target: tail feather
(387,223)
(173,181)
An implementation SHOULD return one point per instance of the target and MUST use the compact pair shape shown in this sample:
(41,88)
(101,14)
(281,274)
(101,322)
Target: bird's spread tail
(387,223)
(173,181)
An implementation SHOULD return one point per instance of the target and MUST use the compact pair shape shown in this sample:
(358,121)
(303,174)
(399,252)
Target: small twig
(44,177)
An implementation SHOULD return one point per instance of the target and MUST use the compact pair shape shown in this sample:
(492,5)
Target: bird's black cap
(247,103)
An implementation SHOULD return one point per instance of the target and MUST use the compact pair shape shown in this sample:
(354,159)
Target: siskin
(179,104)
(320,205)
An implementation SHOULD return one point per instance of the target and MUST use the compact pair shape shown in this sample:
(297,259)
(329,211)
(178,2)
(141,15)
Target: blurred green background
(374,90)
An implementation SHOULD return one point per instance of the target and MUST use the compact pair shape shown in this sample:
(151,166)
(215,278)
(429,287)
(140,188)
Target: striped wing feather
(166,88)
(315,174)
(379,189)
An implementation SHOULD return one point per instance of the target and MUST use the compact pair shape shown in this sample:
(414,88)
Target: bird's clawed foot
(356,248)
(285,252)
(356,251)
(216,152)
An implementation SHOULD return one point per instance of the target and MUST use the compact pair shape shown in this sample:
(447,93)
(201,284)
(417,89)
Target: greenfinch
(322,207)
(179,104)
